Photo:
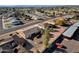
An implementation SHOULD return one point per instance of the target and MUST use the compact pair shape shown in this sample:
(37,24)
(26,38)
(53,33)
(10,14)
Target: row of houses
(71,32)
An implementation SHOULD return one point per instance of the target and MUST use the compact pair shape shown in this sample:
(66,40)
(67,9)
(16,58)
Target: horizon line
(38,5)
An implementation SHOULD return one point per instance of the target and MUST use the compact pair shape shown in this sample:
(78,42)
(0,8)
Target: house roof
(70,31)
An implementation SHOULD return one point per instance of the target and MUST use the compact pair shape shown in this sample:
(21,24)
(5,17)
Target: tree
(36,44)
(46,36)
(60,22)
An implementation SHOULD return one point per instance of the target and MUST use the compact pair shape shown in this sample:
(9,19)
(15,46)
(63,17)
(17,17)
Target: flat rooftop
(71,30)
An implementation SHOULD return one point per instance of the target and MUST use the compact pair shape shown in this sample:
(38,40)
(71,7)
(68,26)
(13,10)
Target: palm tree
(46,36)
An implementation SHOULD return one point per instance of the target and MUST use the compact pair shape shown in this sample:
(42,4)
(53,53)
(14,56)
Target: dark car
(18,23)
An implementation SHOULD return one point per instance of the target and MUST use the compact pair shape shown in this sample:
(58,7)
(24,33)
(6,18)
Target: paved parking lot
(71,45)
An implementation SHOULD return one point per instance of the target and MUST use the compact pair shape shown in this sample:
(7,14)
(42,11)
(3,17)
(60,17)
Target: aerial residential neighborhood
(40,29)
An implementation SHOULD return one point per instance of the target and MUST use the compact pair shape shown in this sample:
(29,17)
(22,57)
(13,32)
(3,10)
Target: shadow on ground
(60,50)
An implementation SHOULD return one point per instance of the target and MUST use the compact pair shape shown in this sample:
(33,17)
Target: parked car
(17,23)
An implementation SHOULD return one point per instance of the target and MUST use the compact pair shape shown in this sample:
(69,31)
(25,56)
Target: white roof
(70,31)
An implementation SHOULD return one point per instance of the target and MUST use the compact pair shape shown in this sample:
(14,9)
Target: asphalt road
(20,27)
(4,31)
